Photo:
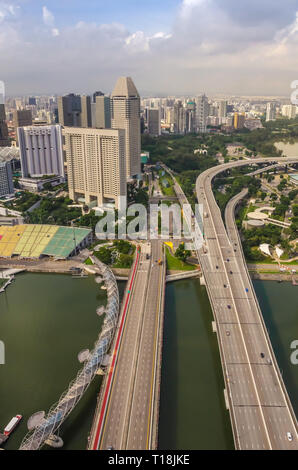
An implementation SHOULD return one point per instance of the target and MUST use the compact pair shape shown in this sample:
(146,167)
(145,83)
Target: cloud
(49,20)
(213,45)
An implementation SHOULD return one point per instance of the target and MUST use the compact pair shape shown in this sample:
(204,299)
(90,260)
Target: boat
(12,425)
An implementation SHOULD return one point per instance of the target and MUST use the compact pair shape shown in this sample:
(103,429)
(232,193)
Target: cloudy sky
(167,46)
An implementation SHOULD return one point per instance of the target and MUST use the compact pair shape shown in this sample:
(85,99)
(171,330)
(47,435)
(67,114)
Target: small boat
(12,425)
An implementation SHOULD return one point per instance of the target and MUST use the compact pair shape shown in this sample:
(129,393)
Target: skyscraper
(41,151)
(4,140)
(126,115)
(179,118)
(222,109)
(153,119)
(21,118)
(69,110)
(270,112)
(101,112)
(239,120)
(86,119)
(202,112)
(6,182)
(95,164)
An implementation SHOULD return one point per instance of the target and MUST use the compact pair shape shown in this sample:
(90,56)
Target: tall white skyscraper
(270,112)
(202,113)
(95,164)
(125,110)
(41,150)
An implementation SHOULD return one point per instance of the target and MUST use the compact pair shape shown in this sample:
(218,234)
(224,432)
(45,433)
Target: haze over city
(170,47)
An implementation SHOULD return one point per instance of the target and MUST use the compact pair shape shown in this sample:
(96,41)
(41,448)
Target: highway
(260,409)
(127,418)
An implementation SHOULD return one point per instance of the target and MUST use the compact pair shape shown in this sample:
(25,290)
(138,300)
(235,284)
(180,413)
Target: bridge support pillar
(202,280)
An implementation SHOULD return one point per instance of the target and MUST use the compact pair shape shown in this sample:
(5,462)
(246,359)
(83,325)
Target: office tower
(86,120)
(190,116)
(21,118)
(101,112)
(6,182)
(69,110)
(239,120)
(153,120)
(97,93)
(4,140)
(41,151)
(126,115)
(270,112)
(95,164)
(222,109)
(32,101)
(179,118)
(202,112)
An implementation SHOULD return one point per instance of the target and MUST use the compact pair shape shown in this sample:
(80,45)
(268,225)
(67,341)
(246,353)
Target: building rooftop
(125,87)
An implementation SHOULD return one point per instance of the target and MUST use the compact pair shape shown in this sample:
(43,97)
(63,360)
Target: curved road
(261,412)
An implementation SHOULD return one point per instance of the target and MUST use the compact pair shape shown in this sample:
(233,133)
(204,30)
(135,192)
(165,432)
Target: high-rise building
(4,140)
(222,109)
(21,118)
(101,112)
(69,110)
(179,118)
(239,120)
(41,151)
(126,115)
(86,119)
(270,112)
(6,182)
(153,120)
(289,111)
(95,164)
(202,112)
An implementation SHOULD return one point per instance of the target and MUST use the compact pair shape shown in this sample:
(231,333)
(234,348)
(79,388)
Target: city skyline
(180,47)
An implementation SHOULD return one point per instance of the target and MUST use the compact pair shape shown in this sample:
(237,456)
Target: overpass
(267,168)
(260,409)
(128,409)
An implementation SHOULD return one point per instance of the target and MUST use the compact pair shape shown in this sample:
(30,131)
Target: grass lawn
(175,264)
(2,282)
(88,262)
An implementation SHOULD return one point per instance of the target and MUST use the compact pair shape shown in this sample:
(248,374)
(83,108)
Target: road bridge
(260,409)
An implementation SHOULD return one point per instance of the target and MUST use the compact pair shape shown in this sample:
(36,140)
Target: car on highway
(262,355)
(228,333)
(229,307)
(289,436)
(231,272)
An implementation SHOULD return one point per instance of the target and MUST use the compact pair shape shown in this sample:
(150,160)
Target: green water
(192,407)
(279,304)
(45,321)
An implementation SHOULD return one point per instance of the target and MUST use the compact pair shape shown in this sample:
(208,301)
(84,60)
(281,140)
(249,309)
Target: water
(289,150)
(192,407)
(279,304)
(45,320)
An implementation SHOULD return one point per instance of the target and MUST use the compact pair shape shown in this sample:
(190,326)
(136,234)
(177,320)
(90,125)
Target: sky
(168,47)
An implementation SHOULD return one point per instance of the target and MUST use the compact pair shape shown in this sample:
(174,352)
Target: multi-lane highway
(127,415)
(261,413)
